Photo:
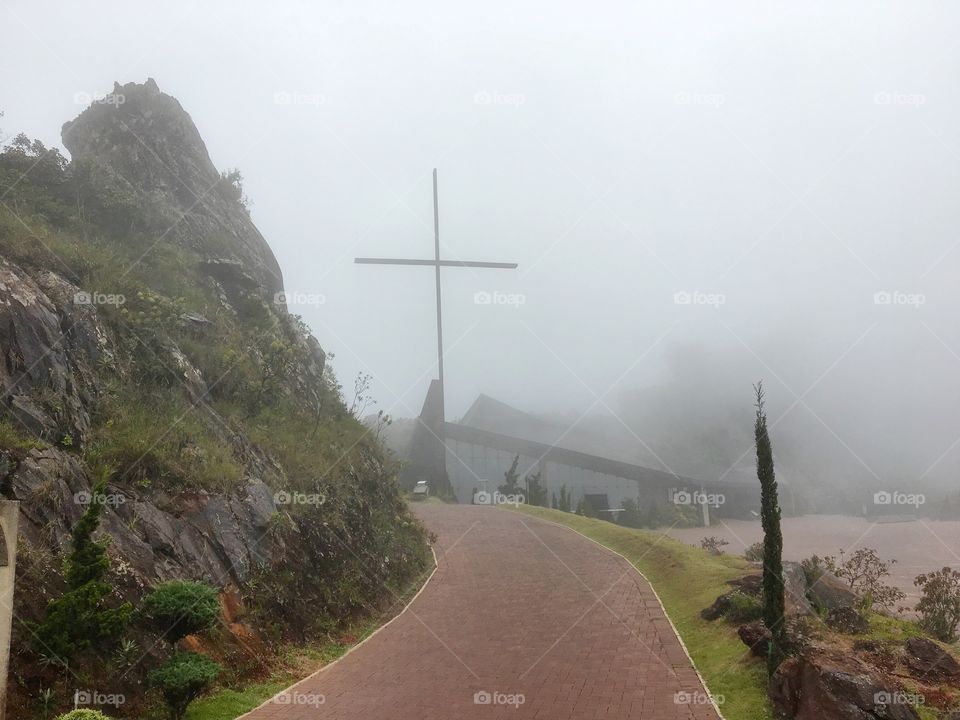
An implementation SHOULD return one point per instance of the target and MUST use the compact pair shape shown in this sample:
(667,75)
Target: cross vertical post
(437,263)
(430,458)
(436,255)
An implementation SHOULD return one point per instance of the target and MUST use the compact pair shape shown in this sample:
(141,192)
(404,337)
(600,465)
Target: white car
(421,489)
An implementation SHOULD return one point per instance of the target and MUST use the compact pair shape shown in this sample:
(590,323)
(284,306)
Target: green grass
(154,437)
(12,439)
(687,580)
(227,704)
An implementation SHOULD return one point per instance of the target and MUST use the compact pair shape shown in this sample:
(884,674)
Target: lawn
(687,580)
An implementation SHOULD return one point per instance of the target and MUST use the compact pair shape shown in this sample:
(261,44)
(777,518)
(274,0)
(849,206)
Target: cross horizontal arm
(433,263)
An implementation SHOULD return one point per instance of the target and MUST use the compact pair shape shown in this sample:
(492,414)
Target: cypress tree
(773,591)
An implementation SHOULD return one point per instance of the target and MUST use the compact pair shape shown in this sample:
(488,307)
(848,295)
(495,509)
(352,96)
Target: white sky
(794,157)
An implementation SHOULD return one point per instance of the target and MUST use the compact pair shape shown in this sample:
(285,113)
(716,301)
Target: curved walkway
(522,619)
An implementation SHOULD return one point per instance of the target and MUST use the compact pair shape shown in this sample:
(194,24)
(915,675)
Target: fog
(698,196)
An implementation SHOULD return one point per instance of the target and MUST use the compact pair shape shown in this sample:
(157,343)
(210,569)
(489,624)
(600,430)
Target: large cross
(437,263)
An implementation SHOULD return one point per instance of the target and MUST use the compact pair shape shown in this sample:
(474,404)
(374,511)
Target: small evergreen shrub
(80,619)
(179,608)
(83,714)
(182,680)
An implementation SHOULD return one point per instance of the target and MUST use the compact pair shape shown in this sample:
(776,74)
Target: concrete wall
(9,517)
(478,459)
(469,465)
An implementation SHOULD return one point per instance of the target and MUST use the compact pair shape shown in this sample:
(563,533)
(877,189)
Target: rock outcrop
(148,143)
(930,662)
(828,592)
(819,685)
(50,345)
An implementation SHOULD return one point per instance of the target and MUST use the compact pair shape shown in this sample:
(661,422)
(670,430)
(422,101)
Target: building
(474,455)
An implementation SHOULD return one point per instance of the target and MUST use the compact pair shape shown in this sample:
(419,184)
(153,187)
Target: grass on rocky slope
(687,580)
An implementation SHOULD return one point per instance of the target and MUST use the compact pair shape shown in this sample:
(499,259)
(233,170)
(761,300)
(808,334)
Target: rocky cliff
(140,341)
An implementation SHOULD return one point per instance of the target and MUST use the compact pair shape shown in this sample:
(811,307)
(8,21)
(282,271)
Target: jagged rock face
(148,143)
(820,685)
(49,346)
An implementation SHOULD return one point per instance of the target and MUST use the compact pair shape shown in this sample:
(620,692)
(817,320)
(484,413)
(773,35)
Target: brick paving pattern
(517,607)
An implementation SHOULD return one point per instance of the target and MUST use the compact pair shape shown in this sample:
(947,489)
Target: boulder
(755,636)
(822,685)
(748,584)
(847,620)
(795,590)
(718,609)
(829,592)
(929,661)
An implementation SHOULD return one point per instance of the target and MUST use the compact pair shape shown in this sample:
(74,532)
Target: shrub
(179,608)
(713,544)
(79,619)
(864,572)
(743,608)
(754,553)
(182,680)
(83,714)
(939,605)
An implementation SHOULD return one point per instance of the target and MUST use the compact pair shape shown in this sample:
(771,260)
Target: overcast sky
(781,164)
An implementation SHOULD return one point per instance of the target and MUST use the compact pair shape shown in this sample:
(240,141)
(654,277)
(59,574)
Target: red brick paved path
(517,607)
